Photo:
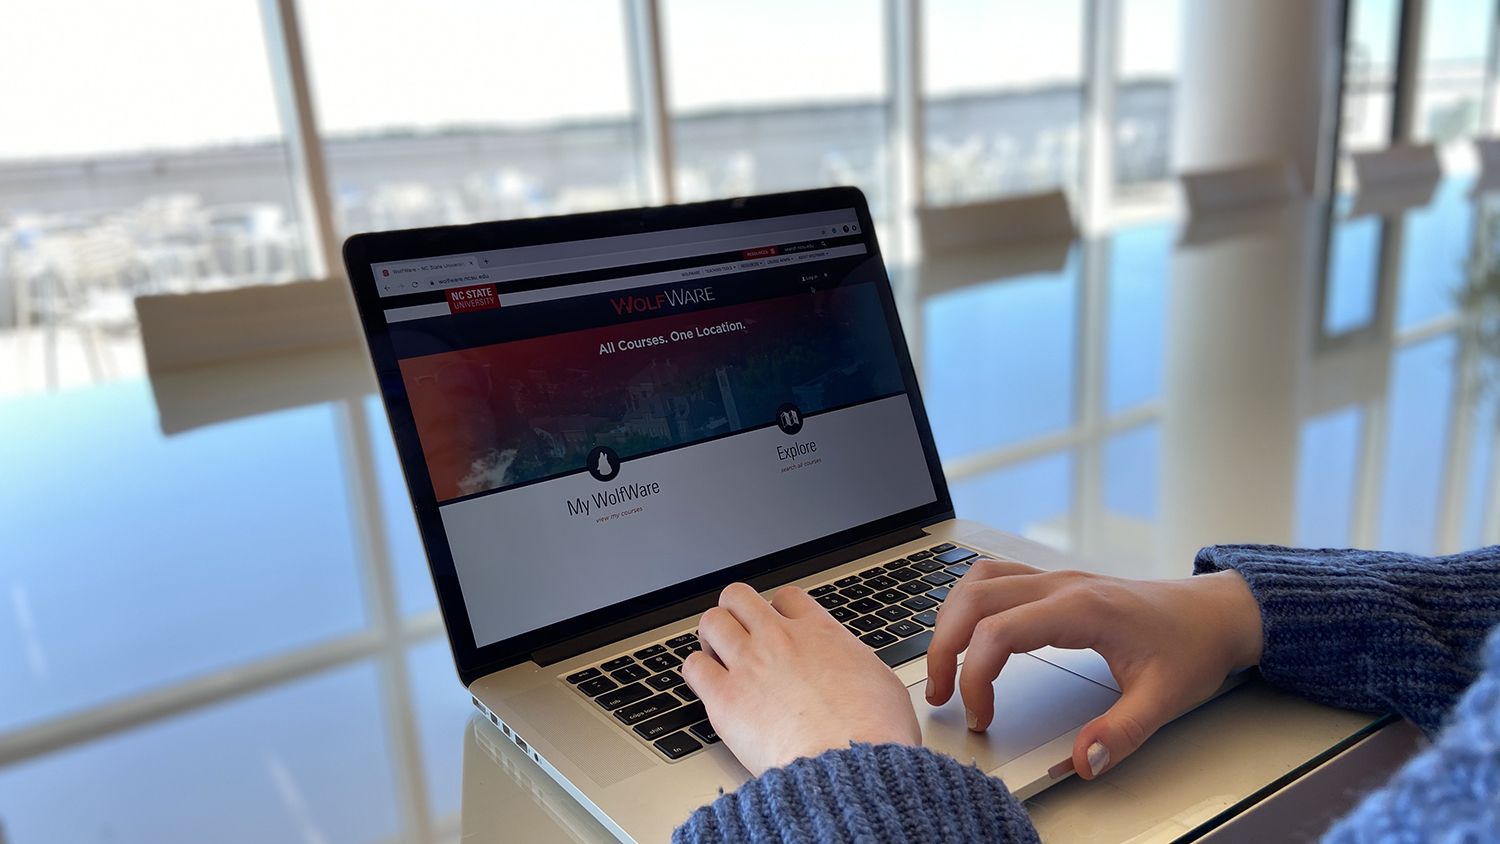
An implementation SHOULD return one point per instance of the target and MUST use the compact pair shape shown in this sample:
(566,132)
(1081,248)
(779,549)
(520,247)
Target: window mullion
(304,147)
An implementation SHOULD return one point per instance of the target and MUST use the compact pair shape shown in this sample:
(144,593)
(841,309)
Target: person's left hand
(783,680)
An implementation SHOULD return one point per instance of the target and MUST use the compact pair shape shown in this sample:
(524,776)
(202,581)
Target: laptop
(603,419)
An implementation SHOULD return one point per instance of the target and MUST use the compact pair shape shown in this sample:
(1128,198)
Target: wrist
(1239,615)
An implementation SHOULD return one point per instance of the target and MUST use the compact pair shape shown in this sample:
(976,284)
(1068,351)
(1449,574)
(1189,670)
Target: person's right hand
(1170,644)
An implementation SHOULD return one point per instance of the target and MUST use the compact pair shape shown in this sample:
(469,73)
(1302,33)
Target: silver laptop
(603,419)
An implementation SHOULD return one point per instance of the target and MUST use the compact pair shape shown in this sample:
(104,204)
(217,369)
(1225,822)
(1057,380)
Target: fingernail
(1098,758)
(973,721)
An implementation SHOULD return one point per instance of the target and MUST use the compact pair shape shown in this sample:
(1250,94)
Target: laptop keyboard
(891,607)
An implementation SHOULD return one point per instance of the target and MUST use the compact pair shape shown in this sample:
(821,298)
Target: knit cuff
(1368,630)
(885,792)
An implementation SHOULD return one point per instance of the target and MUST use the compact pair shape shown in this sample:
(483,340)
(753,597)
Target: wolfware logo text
(662,300)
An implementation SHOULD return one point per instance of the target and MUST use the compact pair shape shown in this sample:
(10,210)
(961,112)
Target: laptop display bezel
(361,251)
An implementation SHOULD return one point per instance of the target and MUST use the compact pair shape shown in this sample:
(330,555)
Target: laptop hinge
(692,606)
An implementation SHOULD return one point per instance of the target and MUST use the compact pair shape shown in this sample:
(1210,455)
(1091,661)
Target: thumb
(1105,741)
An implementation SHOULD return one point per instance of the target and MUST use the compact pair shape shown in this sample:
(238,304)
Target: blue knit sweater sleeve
(1370,630)
(865,793)
(1451,790)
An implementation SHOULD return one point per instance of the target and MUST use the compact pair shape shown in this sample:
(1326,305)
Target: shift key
(671,722)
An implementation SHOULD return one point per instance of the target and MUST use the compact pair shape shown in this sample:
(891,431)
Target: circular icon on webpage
(604,463)
(789,419)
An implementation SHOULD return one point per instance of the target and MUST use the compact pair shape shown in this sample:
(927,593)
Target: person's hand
(1170,644)
(783,680)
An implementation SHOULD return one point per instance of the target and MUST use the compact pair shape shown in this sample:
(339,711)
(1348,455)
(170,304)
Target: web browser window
(604,418)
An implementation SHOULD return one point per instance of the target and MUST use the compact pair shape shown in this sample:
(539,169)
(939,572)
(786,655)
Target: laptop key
(686,692)
(940,594)
(706,732)
(623,695)
(873,571)
(597,686)
(905,628)
(919,603)
(955,555)
(661,662)
(671,722)
(939,578)
(927,566)
(651,651)
(905,574)
(677,745)
(878,639)
(940,549)
(825,589)
(857,591)
(890,596)
(847,581)
(683,651)
(679,641)
(830,601)
(866,624)
(895,613)
(926,619)
(842,614)
(959,570)
(651,707)
(585,674)
(919,556)
(864,605)
(916,587)
(630,673)
(617,663)
(904,650)
(665,680)
(881,581)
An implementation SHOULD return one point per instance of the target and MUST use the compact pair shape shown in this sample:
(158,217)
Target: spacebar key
(905,650)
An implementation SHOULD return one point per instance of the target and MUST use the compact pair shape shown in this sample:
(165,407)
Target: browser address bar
(459,270)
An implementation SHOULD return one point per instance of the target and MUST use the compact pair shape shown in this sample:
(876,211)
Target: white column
(1256,84)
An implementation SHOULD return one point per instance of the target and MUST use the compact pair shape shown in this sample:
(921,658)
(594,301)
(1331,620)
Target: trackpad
(1035,702)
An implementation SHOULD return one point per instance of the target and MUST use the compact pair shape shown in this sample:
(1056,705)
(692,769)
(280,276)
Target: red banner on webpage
(481,297)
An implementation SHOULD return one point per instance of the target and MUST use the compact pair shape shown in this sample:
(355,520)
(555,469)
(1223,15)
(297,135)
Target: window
(156,165)
(1033,498)
(1328,478)
(1140,274)
(1150,31)
(790,95)
(1132,473)
(1352,282)
(1369,74)
(464,110)
(1003,97)
(1417,433)
(1450,83)
(997,370)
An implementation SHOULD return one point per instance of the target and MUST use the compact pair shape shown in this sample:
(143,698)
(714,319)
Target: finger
(1105,741)
(722,636)
(706,677)
(749,608)
(968,603)
(1025,628)
(795,603)
(985,568)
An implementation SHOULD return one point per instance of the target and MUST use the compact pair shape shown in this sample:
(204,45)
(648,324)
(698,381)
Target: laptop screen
(603,418)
